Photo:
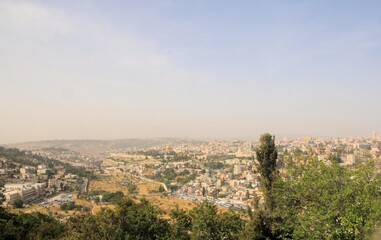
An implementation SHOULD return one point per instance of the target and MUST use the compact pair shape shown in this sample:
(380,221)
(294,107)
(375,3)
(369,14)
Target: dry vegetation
(56,210)
(113,184)
(165,203)
(106,185)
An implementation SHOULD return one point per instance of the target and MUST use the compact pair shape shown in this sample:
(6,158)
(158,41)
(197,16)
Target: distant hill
(98,147)
(26,158)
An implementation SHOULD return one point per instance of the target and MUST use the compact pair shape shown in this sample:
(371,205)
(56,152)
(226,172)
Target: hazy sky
(215,69)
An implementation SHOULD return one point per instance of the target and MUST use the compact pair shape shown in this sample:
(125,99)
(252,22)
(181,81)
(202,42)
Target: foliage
(260,226)
(132,188)
(141,221)
(230,225)
(2,198)
(29,226)
(72,206)
(335,158)
(18,203)
(327,201)
(78,170)
(181,224)
(208,224)
(129,220)
(113,197)
(169,174)
(267,155)
(215,165)
(67,206)
(186,179)
(103,225)
(257,228)
(184,173)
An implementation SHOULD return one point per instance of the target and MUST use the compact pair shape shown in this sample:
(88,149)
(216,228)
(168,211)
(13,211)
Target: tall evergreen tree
(267,155)
(260,226)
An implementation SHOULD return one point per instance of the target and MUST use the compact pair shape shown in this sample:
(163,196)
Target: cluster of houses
(28,183)
(238,180)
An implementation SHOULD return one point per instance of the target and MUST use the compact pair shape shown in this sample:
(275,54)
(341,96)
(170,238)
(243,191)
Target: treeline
(128,220)
(68,206)
(78,170)
(29,226)
(142,221)
(104,196)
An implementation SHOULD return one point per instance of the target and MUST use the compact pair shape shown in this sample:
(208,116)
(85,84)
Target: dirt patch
(105,185)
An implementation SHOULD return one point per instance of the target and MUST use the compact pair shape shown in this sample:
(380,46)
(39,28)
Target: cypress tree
(267,155)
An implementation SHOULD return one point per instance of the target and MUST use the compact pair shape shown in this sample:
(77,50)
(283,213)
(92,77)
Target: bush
(18,203)
(67,206)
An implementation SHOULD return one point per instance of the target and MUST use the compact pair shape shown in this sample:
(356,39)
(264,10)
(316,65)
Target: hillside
(97,148)
(26,158)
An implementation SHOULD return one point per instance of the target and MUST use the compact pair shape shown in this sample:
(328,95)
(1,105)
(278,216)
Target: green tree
(181,224)
(267,155)
(256,228)
(29,226)
(204,221)
(132,188)
(208,224)
(103,225)
(112,197)
(260,225)
(129,220)
(141,221)
(319,201)
(18,203)
(48,228)
(230,225)
(335,158)
(2,198)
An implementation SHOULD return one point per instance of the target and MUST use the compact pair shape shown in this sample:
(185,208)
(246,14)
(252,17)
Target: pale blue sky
(199,69)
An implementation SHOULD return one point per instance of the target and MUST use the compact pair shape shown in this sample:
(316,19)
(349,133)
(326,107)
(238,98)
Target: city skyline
(278,138)
(123,69)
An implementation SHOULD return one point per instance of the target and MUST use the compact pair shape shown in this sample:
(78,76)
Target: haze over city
(197,69)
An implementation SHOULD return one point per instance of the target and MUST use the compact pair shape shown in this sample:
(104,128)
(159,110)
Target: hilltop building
(26,192)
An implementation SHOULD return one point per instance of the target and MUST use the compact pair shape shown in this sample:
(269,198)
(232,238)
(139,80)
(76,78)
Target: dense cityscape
(171,173)
(221,171)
